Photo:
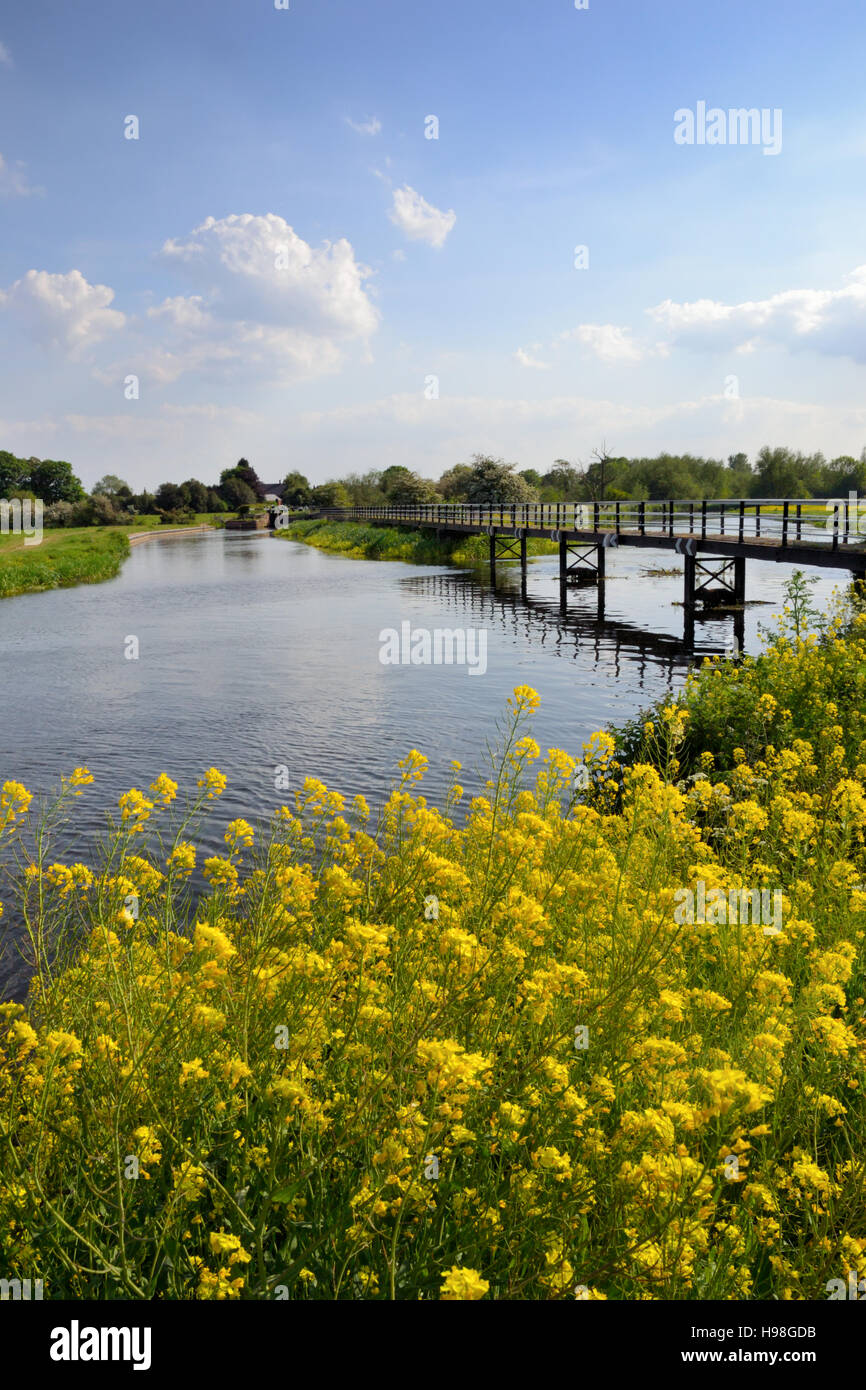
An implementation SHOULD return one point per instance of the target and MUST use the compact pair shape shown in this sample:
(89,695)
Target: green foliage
(51,479)
(366,541)
(796,689)
(494,480)
(296,490)
(236,492)
(330,495)
(405,489)
(454,483)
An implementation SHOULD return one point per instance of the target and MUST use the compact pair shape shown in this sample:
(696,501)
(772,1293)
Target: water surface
(257,653)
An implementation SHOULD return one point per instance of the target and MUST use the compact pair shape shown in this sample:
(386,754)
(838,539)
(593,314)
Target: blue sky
(283,261)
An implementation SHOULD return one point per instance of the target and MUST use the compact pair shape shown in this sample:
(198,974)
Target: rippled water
(256,652)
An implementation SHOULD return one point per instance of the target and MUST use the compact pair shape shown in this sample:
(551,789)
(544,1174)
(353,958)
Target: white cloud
(536,431)
(258,268)
(5,56)
(171,441)
(606,341)
(830,322)
(13,182)
(368,127)
(272,306)
(527,360)
(182,312)
(418,219)
(62,311)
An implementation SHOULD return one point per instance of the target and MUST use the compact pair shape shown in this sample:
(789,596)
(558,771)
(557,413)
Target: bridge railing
(780,521)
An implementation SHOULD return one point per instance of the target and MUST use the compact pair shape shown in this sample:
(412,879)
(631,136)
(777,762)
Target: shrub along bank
(422,547)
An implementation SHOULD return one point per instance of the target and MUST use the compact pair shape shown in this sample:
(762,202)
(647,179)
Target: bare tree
(596,474)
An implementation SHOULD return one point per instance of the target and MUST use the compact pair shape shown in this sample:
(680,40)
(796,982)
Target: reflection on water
(256,652)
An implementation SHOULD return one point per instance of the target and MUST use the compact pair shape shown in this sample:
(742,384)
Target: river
(257,653)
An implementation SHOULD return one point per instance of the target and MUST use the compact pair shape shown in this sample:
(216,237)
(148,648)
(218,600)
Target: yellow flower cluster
(461,1061)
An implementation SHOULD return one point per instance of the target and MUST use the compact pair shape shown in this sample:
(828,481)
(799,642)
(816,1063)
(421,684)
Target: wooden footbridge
(715,538)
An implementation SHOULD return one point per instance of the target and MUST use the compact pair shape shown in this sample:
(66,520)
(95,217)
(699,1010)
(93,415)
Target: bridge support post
(689,583)
(599,564)
(523,557)
(563,575)
(493,561)
(740,580)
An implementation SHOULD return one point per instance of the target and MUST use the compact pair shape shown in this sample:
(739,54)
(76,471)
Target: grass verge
(72,555)
(420,547)
(86,555)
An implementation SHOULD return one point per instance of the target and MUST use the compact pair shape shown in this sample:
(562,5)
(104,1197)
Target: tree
(564,481)
(411,490)
(785,473)
(14,473)
(532,477)
(169,498)
(598,473)
(843,475)
(54,481)
(366,490)
(247,474)
(236,492)
(112,486)
(295,491)
(331,494)
(393,478)
(666,476)
(454,483)
(494,480)
(195,495)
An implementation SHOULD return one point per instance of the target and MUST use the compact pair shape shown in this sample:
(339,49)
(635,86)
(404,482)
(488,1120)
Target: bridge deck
(848,554)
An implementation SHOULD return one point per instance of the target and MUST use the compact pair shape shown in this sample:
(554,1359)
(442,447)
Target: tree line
(112,502)
(775,472)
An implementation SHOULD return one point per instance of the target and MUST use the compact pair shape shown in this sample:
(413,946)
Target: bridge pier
(714,581)
(582,572)
(503,547)
(576,565)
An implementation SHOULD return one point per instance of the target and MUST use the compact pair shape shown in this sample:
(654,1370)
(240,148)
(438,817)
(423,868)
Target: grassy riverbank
(85,555)
(72,555)
(509,1058)
(421,547)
